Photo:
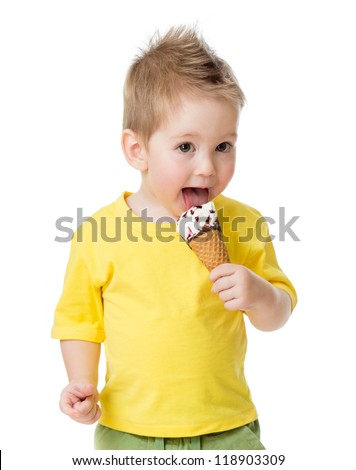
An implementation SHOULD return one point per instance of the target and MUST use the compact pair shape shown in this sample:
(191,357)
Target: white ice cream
(192,222)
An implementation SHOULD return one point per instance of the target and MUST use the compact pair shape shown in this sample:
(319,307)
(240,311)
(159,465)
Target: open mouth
(195,197)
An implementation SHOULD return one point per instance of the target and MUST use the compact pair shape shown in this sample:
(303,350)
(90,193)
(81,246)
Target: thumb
(88,389)
(82,389)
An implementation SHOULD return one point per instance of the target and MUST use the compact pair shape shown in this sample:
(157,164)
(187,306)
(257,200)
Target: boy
(174,334)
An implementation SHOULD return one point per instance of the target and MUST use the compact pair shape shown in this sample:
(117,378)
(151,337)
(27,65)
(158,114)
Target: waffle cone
(210,248)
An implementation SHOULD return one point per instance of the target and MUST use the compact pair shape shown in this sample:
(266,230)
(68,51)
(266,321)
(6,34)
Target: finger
(69,409)
(66,407)
(84,407)
(227,295)
(67,401)
(96,415)
(91,417)
(82,390)
(81,416)
(233,305)
(222,270)
(223,283)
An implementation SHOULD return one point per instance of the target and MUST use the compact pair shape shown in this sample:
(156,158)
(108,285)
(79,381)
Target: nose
(205,165)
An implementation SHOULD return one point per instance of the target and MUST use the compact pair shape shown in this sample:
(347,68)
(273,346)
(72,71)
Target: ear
(133,150)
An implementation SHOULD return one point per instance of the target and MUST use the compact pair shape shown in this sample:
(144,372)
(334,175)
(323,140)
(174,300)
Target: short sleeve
(79,312)
(263,261)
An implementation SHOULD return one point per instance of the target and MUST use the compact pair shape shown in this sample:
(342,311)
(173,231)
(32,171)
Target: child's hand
(79,400)
(238,287)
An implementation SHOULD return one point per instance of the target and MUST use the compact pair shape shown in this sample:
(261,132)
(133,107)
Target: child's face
(191,157)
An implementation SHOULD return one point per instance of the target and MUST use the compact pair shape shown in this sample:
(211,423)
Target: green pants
(244,438)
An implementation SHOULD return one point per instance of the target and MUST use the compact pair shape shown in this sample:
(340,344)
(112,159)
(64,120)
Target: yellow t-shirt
(175,355)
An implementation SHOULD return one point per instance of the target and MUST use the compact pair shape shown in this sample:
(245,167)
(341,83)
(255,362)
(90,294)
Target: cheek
(168,176)
(172,180)
(227,170)
(172,174)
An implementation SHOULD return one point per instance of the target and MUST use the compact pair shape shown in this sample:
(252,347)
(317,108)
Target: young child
(174,334)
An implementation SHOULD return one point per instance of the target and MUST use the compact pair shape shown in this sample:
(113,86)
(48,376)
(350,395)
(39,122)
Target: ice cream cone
(200,228)
(210,248)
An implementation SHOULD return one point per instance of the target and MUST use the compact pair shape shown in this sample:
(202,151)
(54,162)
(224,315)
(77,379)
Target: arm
(273,312)
(79,398)
(268,307)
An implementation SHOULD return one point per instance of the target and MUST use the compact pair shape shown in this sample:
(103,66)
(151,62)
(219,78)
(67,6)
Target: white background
(62,69)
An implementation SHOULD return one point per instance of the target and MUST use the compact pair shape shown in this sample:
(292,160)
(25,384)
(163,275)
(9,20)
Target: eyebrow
(233,134)
(183,135)
(187,135)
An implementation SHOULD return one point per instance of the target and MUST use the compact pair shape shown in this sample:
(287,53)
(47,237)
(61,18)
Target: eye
(224,147)
(186,148)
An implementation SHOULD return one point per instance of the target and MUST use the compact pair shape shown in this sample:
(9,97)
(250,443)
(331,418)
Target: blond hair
(179,62)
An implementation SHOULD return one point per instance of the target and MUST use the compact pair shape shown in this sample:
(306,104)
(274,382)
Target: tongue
(195,197)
